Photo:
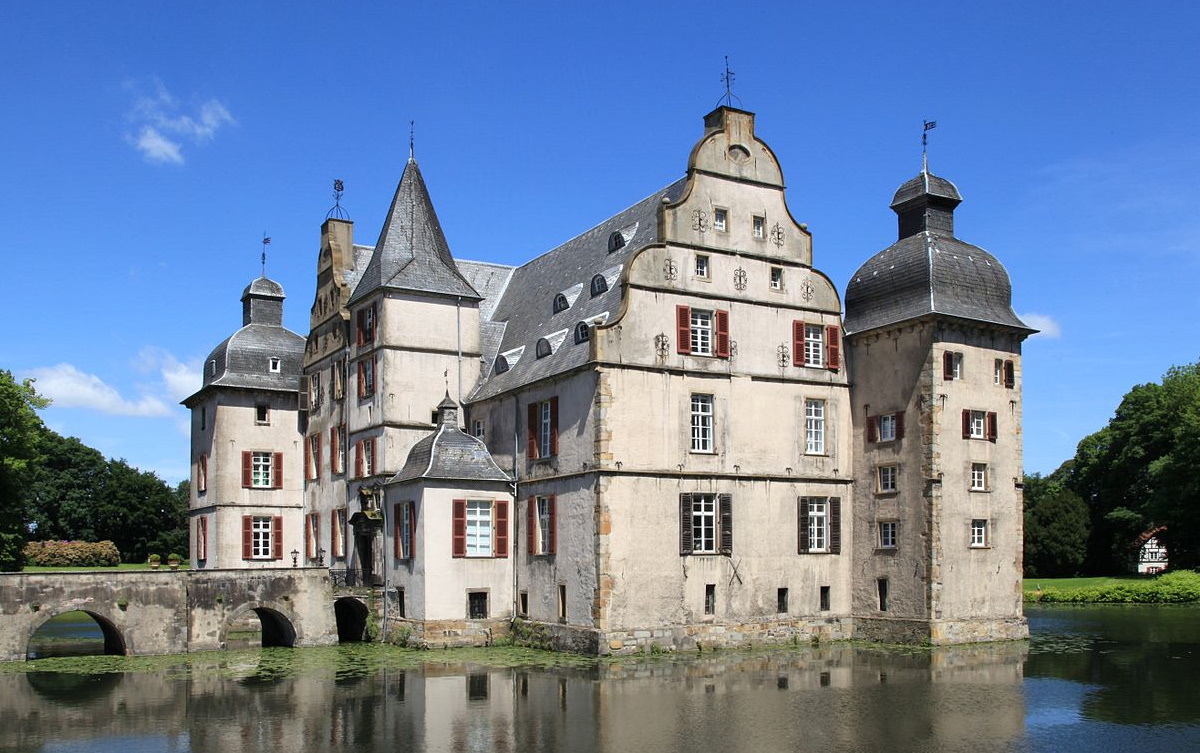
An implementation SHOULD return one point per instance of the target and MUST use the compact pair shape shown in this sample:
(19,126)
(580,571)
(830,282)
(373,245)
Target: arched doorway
(75,633)
(351,615)
(256,627)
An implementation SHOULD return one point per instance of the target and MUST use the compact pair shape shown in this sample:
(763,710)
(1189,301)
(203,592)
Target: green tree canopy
(20,433)
(1057,525)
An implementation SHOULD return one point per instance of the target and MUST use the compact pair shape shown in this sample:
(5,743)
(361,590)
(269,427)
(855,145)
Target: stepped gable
(450,453)
(527,307)
(243,359)
(411,253)
(929,270)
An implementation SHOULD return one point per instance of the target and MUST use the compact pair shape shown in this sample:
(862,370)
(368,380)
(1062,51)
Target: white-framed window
(979,533)
(887,479)
(720,220)
(337,533)
(404,530)
(776,278)
(758,226)
(998,374)
(702,266)
(818,524)
(262,414)
(479,528)
(368,456)
(704,523)
(337,449)
(702,332)
(202,474)
(545,421)
(541,429)
(544,522)
(314,391)
(260,470)
(814,345)
(978,424)
(887,534)
(887,427)
(366,325)
(366,377)
(275,365)
(814,427)
(312,534)
(702,423)
(477,428)
(952,365)
(979,477)
(339,379)
(261,531)
(313,457)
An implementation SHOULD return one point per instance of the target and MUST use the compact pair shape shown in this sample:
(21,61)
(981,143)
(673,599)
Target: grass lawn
(1032,585)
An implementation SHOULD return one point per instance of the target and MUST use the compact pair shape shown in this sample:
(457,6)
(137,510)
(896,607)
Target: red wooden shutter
(202,539)
(900,425)
(948,366)
(552,538)
(685,524)
(458,532)
(873,429)
(308,535)
(358,336)
(531,432)
(358,459)
(375,464)
(333,535)
(722,318)
(317,464)
(835,525)
(991,427)
(412,530)
(797,343)
(501,510)
(554,426)
(333,450)
(1010,375)
(397,550)
(833,347)
(725,510)
(247,470)
(277,537)
(531,526)
(802,531)
(683,329)
(247,537)
(966,424)
(277,470)
(308,458)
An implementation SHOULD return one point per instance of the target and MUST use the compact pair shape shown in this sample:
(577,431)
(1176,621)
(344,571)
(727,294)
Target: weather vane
(727,79)
(337,211)
(412,129)
(266,242)
(929,126)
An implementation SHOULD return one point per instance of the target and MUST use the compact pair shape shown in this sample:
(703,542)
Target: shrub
(1175,587)
(72,554)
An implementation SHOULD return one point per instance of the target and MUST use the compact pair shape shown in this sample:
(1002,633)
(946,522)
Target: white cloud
(1048,327)
(68,387)
(178,379)
(163,124)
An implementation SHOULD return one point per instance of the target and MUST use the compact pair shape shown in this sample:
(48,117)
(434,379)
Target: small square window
(702,266)
(276,364)
(979,477)
(720,220)
(477,605)
(262,414)
(887,428)
(979,533)
(477,428)
(702,423)
(977,424)
(776,278)
(887,479)
(887,535)
(523,603)
(760,226)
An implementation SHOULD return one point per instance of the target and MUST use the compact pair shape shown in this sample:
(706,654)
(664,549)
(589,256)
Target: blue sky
(148,146)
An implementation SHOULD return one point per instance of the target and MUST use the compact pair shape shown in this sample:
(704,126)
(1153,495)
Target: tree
(20,431)
(63,491)
(1057,526)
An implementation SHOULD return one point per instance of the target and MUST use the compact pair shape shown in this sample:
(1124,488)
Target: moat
(1115,677)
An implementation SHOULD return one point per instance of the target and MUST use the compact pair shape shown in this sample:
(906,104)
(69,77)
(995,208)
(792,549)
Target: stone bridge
(171,612)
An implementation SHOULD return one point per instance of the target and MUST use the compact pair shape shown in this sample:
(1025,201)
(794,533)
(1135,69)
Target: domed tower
(933,350)
(246,484)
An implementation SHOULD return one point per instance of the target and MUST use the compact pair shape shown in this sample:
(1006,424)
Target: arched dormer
(599,285)
(583,332)
(616,241)
(501,365)
(543,348)
(561,303)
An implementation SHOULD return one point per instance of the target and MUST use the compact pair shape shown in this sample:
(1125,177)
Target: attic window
(582,332)
(501,364)
(212,367)
(275,365)
(561,303)
(616,241)
(599,285)
(543,348)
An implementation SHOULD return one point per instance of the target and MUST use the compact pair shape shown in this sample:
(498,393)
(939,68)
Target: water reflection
(1120,679)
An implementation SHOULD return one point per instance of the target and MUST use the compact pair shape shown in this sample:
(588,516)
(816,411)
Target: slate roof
(450,454)
(525,308)
(929,272)
(411,253)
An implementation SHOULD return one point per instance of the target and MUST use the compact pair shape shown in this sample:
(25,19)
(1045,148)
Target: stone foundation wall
(447,633)
(947,632)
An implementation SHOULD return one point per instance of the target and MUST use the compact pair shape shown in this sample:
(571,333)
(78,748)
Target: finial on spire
(929,125)
(266,241)
(412,128)
(727,79)
(337,211)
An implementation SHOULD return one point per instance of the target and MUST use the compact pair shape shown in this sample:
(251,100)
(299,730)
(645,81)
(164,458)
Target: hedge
(72,554)
(1176,587)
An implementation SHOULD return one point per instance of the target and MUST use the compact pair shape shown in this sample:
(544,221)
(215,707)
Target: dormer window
(501,365)
(212,368)
(616,241)
(561,303)
(599,285)
(275,365)
(583,333)
(543,348)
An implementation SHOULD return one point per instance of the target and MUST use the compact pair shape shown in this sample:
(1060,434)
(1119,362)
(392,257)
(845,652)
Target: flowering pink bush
(72,554)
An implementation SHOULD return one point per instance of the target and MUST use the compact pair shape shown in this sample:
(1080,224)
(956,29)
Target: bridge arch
(351,616)
(278,626)
(115,643)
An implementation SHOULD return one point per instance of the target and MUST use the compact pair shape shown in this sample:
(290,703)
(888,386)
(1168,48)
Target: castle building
(665,431)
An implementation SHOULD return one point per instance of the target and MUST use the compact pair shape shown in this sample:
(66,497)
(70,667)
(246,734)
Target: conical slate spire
(412,253)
